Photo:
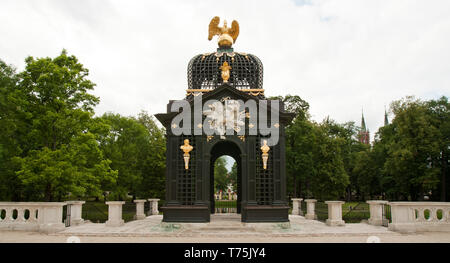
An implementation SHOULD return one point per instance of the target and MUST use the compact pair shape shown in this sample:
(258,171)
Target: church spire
(386,121)
(364,132)
(363,123)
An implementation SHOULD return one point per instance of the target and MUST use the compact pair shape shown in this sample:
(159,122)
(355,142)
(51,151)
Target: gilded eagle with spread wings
(227,35)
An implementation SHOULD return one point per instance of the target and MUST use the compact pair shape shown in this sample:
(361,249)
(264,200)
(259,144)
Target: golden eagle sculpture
(227,35)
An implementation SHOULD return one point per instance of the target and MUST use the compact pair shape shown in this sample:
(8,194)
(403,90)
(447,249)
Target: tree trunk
(48,193)
(300,189)
(307,189)
(295,186)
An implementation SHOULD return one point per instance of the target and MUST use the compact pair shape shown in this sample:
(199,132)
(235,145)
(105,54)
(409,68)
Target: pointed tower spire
(386,121)
(364,132)
(363,123)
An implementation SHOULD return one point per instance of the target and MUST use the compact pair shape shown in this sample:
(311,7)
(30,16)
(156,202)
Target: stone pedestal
(140,209)
(76,208)
(296,206)
(376,212)
(115,213)
(154,206)
(50,218)
(311,209)
(335,213)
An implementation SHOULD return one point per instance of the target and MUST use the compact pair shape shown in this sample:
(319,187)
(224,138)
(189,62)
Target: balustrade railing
(420,216)
(31,216)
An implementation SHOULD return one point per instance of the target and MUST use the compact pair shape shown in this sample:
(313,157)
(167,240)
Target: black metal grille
(264,177)
(186,178)
(246,71)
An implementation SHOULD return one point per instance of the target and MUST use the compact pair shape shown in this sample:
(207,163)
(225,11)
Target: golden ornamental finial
(227,35)
(225,71)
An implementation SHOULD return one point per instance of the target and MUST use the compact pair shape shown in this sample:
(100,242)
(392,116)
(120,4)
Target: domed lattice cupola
(239,70)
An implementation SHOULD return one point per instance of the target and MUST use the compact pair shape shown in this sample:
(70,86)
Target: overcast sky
(340,56)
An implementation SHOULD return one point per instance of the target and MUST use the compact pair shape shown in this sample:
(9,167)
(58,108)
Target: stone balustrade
(377,215)
(420,216)
(311,209)
(335,213)
(140,214)
(297,206)
(32,216)
(154,206)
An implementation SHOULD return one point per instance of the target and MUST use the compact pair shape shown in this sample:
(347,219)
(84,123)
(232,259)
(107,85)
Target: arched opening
(225,185)
(225,153)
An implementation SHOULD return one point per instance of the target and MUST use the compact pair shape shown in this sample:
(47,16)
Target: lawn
(226,204)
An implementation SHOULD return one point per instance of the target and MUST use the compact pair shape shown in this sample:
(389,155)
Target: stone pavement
(225,225)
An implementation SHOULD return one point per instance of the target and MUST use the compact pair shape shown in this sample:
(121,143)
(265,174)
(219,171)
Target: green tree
(78,168)
(414,149)
(59,152)
(233,176)
(125,144)
(439,110)
(298,144)
(379,154)
(153,159)
(329,179)
(220,174)
(11,98)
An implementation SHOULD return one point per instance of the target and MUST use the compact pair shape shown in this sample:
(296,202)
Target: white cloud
(338,55)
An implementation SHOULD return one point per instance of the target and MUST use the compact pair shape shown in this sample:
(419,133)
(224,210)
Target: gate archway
(226,147)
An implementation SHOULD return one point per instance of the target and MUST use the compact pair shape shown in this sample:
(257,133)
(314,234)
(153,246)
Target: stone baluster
(115,213)
(296,206)
(311,209)
(140,209)
(8,216)
(154,203)
(335,213)
(32,217)
(20,215)
(376,208)
(34,214)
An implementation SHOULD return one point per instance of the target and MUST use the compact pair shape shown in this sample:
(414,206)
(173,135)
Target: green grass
(96,212)
(358,212)
(226,204)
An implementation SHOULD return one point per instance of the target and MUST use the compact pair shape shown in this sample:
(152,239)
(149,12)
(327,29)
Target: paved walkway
(225,225)
(223,228)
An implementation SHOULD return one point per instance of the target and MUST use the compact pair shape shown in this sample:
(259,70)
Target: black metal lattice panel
(246,71)
(264,177)
(186,177)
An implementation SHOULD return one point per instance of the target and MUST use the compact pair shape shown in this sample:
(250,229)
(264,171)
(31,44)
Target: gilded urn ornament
(265,153)
(225,68)
(186,147)
(227,35)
